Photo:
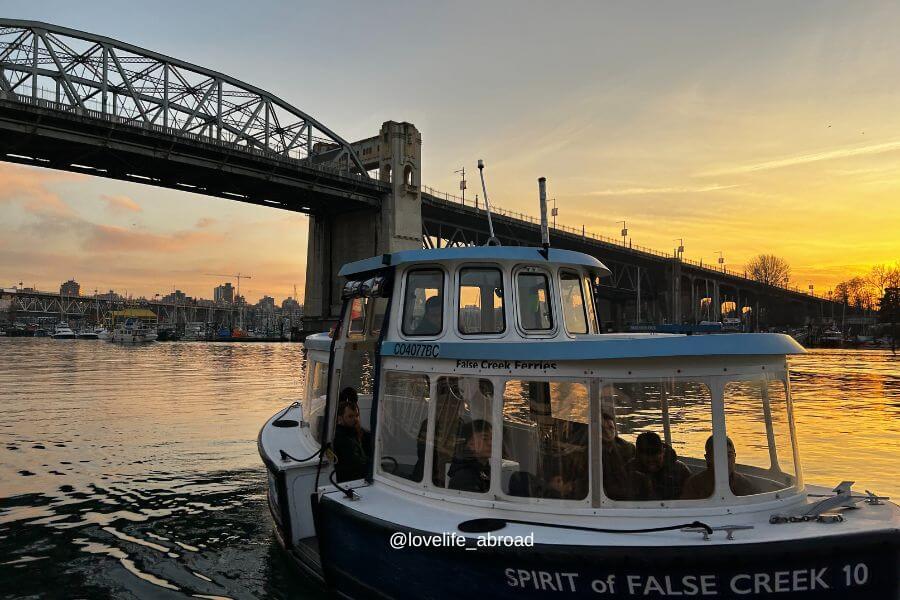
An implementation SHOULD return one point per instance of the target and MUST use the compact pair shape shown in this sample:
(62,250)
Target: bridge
(33,306)
(76,101)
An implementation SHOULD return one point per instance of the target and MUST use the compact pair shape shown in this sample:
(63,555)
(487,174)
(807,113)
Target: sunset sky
(743,127)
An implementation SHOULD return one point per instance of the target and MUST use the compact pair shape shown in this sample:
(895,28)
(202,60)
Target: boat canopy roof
(486,253)
(611,347)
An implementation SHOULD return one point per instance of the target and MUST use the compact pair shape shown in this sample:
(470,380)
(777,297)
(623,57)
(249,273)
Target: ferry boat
(63,332)
(517,451)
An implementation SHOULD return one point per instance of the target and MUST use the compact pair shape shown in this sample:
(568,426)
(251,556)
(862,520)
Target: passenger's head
(560,485)
(478,435)
(732,455)
(650,451)
(433,309)
(348,414)
(608,426)
(348,394)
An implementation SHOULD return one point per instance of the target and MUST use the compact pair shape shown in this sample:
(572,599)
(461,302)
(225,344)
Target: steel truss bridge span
(81,102)
(34,305)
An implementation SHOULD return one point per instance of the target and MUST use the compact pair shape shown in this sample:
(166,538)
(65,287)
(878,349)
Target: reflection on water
(133,472)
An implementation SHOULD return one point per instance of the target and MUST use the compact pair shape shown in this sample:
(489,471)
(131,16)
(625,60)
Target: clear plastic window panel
(546,440)
(313,411)
(653,440)
(404,419)
(423,303)
(761,457)
(357,317)
(481,301)
(463,434)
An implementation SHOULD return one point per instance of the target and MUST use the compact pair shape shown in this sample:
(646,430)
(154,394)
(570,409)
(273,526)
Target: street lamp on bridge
(721,260)
(462,184)
(679,251)
(624,232)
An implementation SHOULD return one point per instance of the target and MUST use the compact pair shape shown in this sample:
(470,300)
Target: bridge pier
(336,238)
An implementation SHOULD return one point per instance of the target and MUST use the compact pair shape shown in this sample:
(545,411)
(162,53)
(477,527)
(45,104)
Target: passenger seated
(471,469)
(430,323)
(348,394)
(619,482)
(659,463)
(524,485)
(560,483)
(703,483)
(351,444)
(612,443)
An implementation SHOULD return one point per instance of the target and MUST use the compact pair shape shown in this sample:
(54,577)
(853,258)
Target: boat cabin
(485,378)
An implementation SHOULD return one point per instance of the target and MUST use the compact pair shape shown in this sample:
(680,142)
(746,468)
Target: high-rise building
(70,288)
(267,303)
(176,297)
(224,294)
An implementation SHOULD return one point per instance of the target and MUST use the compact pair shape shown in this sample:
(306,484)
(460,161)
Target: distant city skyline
(73,287)
(676,119)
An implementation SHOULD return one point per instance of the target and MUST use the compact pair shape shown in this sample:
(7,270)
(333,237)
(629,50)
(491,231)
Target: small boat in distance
(88,334)
(133,326)
(133,331)
(63,332)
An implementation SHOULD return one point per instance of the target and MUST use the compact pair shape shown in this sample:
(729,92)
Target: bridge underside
(44,137)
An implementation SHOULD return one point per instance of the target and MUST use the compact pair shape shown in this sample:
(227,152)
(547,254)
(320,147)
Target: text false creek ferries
(508,448)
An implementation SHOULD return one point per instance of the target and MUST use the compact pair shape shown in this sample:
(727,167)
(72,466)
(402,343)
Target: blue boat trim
(518,253)
(647,346)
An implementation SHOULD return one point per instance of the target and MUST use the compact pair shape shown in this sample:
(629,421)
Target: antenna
(545,230)
(492,241)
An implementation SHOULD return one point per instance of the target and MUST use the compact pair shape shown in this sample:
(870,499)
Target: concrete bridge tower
(337,237)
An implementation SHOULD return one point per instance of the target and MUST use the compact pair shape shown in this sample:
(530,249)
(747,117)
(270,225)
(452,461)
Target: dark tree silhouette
(769,269)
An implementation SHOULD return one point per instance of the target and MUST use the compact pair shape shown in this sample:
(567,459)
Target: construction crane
(237,276)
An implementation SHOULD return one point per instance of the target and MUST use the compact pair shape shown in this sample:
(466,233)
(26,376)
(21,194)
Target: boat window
(317,387)
(462,434)
(653,440)
(589,302)
(403,425)
(573,304)
(534,301)
(379,307)
(423,305)
(357,318)
(481,301)
(758,425)
(545,439)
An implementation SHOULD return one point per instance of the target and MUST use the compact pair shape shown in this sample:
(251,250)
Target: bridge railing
(588,235)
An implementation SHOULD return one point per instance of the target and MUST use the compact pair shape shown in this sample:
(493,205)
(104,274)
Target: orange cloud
(109,238)
(28,185)
(121,204)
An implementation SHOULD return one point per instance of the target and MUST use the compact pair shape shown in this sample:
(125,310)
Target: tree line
(863,292)
(866,292)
